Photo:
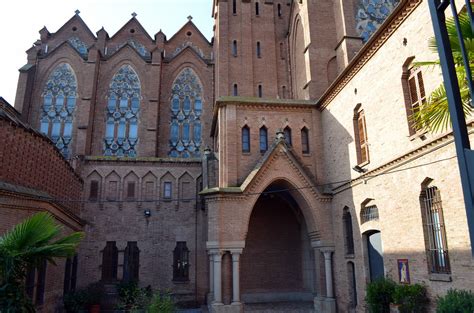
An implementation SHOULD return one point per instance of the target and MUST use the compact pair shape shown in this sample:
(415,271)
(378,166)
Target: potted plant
(94,295)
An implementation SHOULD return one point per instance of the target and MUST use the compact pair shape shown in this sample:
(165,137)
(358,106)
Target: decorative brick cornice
(391,24)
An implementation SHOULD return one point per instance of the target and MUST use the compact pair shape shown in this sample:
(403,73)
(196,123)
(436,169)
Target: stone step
(280,307)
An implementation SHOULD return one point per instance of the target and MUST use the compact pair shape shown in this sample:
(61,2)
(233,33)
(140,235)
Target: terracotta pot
(95,308)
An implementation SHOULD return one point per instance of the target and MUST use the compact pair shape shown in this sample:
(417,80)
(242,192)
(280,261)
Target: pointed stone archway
(233,218)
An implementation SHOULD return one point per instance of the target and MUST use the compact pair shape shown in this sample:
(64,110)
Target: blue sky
(22,19)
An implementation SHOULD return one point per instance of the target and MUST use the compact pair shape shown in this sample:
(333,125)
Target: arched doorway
(277,263)
(374,253)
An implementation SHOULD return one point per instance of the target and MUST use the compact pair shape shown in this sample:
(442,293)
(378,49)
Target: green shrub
(379,295)
(132,297)
(82,299)
(456,301)
(411,298)
(162,302)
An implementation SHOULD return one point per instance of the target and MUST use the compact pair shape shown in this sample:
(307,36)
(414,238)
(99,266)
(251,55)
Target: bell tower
(250,48)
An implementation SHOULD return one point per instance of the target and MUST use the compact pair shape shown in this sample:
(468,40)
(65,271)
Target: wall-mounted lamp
(147,213)
(359,169)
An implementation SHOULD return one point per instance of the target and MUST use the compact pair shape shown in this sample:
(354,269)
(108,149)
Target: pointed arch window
(245,139)
(235,92)
(123,107)
(348,233)
(287,133)
(260,91)
(263,139)
(186,111)
(59,103)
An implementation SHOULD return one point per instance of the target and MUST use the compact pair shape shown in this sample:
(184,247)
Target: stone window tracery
(59,103)
(371,14)
(186,112)
(123,106)
(79,45)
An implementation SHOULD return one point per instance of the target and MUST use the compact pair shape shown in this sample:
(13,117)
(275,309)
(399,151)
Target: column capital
(236,256)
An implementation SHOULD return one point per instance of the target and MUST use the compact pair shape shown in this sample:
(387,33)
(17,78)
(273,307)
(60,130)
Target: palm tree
(28,245)
(434,115)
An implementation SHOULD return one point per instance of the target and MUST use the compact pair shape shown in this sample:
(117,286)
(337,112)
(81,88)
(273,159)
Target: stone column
(211,274)
(328,270)
(235,277)
(217,257)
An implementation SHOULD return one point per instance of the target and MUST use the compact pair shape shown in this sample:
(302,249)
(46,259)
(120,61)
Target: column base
(324,305)
(235,307)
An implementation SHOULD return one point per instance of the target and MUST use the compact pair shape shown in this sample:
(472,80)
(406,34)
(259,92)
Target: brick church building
(223,170)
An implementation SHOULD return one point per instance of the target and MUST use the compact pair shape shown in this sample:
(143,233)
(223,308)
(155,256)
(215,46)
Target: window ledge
(364,163)
(246,153)
(350,256)
(440,277)
(181,282)
(420,135)
(306,154)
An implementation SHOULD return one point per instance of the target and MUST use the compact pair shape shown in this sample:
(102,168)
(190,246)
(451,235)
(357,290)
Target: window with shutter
(67,276)
(149,187)
(112,191)
(109,262)
(30,282)
(131,264)
(167,190)
(417,94)
(360,130)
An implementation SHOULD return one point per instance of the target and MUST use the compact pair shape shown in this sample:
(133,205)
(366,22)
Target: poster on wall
(403,271)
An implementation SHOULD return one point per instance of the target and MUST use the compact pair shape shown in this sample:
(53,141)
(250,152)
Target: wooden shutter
(363,143)
(131,266)
(74,274)
(109,262)
(30,282)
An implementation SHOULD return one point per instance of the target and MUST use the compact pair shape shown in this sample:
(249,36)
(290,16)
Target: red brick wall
(272,258)
(29,160)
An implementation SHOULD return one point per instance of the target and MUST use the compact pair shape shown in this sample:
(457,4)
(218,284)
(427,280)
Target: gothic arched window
(287,133)
(123,106)
(245,139)
(186,111)
(370,14)
(348,232)
(59,103)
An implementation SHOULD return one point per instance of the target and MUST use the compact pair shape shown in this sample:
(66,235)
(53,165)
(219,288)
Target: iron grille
(369,213)
(437,248)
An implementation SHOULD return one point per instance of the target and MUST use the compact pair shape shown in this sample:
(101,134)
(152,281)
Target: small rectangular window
(257,9)
(235,90)
(131,190)
(259,50)
(279,10)
(234,7)
(167,190)
(260,91)
(94,190)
